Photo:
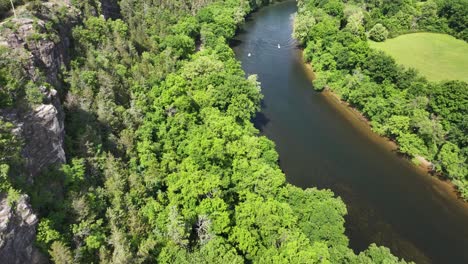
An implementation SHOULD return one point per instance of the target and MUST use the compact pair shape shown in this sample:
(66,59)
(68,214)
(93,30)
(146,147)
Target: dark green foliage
(5,6)
(450,101)
(164,164)
(455,11)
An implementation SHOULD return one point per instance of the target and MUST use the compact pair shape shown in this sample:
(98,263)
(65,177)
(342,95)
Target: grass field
(436,56)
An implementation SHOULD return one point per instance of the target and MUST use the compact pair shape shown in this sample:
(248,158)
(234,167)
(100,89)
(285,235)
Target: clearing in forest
(436,56)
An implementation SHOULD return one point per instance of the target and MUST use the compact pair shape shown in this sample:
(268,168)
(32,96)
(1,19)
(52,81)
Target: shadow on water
(235,43)
(260,121)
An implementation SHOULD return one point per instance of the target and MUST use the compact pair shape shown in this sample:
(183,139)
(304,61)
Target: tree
(377,255)
(429,128)
(181,45)
(320,217)
(303,24)
(378,33)
(380,67)
(412,145)
(455,12)
(355,23)
(10,144)
(46,234)
(334,8)
(450,100)
(60,253)
(397,125)
(451,161)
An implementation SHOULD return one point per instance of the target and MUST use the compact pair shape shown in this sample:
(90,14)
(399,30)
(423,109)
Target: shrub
(378,33)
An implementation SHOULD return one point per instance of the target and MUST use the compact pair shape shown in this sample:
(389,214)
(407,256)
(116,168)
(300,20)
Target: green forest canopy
(164,163)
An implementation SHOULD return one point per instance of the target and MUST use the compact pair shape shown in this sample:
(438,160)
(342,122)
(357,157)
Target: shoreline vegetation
(424,119)
(361,122)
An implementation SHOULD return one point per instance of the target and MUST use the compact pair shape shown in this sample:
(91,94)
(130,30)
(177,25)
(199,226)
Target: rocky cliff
(44,53)
(41,127)
(17,231)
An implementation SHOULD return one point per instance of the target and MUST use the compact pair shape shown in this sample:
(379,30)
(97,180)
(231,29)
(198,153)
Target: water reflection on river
(321,144)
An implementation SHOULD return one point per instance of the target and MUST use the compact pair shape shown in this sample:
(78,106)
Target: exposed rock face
(41,128)
(42,53)
(44,132)
(17,230)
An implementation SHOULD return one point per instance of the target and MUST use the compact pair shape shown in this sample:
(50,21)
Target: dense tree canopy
(164,164)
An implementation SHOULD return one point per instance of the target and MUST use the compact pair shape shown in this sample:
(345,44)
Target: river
(323,144)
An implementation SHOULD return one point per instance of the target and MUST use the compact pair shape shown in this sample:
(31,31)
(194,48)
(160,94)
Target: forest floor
(436,56)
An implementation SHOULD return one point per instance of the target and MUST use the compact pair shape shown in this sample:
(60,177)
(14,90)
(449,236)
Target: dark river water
(321,143)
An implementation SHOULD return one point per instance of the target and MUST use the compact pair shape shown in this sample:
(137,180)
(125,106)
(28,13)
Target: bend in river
(389,201)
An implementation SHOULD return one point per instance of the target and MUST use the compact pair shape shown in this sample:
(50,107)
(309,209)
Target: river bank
(320,144)
(363,124)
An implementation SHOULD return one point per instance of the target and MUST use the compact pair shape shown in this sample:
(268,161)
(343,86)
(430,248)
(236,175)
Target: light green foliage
(397,125)
(451,160)
(4,182)
(378,33)
(46,234)
(181,45)
(13,196)
(60,253)
(303,23)
(429,128)
(74,174)
(320,217)
(33,95)
(450,100)
(6,187)
(10,147)
(355,23)
(378,255)
(165,164)
(412,145)
(263,223)
(334,8)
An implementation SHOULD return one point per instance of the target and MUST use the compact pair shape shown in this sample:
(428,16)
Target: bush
(34,95)
(35,6)
(5,6)
(320,82)
(378,33)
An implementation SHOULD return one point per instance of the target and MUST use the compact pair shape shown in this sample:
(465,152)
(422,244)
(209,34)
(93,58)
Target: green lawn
(436,56)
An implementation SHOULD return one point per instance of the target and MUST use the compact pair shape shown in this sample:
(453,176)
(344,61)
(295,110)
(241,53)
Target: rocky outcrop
(44,132)
(43,52)
(17,231)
